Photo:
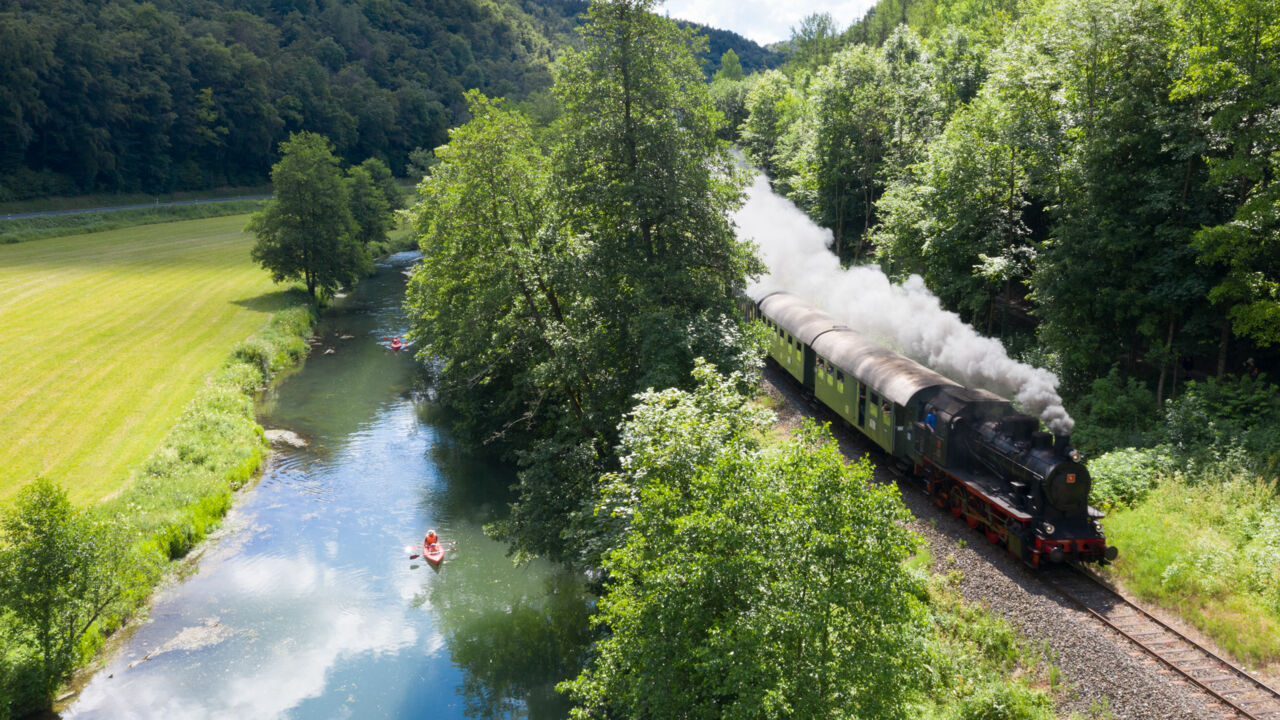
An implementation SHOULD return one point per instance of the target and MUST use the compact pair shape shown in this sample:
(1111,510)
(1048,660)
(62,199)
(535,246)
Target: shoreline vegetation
(186,486)
(169,503)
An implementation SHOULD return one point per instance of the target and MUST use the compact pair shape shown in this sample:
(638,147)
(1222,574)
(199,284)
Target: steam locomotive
(989,464)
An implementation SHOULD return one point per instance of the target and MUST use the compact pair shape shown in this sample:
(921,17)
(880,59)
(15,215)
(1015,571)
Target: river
(306,605)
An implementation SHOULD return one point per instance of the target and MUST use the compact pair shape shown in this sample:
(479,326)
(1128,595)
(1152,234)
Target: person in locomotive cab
(931,420)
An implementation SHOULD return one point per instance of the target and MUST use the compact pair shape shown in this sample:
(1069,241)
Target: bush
(1005,701)
(1210,548)
(1122,478)
(21,692)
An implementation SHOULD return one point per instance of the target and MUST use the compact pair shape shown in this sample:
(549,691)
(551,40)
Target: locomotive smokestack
(1061,443)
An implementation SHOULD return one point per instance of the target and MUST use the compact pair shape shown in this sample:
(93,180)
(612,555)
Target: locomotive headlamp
(1049,528)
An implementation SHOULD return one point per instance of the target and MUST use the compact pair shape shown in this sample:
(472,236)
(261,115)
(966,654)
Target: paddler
(430,539)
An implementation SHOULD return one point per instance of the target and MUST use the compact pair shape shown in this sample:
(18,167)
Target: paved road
(144,206)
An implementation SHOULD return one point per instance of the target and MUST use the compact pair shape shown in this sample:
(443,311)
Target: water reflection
(514,646)
(307,606)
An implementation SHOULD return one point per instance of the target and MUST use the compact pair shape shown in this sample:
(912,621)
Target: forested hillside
(752,55)
(119,95)
(1103,173)
(128,96)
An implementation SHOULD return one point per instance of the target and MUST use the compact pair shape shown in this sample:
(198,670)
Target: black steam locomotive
(1025,489)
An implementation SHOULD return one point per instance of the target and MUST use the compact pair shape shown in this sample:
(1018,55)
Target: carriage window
(875,399)
(840,376)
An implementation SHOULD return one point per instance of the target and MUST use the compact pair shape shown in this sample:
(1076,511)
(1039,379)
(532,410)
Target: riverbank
(136,360)
(185,487)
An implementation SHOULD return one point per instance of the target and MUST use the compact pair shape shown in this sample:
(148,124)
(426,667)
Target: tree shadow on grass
(274,301)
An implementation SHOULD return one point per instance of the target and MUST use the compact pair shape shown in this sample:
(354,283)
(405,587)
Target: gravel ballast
(1099,668)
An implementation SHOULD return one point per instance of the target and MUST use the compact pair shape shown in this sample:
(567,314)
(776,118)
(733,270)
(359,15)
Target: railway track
(1240,693)
(1232,691)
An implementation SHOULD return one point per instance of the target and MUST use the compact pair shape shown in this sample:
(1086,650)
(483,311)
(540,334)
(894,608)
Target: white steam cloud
(906,317)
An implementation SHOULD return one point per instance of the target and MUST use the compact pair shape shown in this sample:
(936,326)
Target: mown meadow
(131,360)
(108,336)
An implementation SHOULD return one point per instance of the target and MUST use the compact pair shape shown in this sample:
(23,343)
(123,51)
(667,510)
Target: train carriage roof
(894,376)
(897,377)
(801,319)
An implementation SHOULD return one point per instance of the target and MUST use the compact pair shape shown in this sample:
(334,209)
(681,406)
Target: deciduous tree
(60,571)
(307,232)
(646,185)
(1232,75)
(749,581)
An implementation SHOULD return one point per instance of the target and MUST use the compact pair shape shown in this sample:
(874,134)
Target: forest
(1096,182)
(123,96)
(161,96)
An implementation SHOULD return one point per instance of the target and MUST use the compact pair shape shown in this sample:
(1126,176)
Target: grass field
(105,338)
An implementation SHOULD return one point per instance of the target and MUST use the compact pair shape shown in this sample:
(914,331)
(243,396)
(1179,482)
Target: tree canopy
(307,231)
(60,570)
(557,284)
(749,581)
(157,96)
(1092,179)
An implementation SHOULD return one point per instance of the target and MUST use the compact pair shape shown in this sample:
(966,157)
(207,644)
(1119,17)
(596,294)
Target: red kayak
(396,344)
(433,553)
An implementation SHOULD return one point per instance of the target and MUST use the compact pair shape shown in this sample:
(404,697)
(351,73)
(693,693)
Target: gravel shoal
(1099,667)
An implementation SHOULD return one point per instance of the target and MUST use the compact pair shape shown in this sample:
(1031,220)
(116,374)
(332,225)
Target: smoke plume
(906,317)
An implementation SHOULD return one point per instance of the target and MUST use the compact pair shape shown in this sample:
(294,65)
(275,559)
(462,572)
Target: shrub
(1219,413)
(1122,478)
(1005,701)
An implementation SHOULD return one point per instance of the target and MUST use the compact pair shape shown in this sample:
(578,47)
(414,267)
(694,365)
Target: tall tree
(646,184)
(703,618)
(813,42)
(369,207)
(307,232)
(842,164)
(771,108)
(1232,76)
(730,67)
(643,186)
(488,299)
(1119,270)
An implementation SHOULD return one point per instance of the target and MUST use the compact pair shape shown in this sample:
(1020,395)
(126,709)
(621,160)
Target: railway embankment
(1097,673)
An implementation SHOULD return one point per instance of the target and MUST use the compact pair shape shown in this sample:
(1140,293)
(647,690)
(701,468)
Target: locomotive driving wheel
(957,501)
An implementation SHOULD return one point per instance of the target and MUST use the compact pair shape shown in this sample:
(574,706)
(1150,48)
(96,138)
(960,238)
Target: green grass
(80,202)
(108,337)
(26,229)
(979,667)
(1210,551)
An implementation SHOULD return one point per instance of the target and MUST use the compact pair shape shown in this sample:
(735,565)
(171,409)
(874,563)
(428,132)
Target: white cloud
(764,21)
(303,621)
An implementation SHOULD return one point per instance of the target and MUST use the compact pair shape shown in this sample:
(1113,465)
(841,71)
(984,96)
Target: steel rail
(1239,682)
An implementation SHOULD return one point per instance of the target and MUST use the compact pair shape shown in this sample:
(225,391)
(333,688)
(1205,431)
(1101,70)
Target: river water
(306,605)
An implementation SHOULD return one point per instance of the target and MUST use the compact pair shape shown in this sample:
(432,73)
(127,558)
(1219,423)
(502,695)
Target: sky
(764,21)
